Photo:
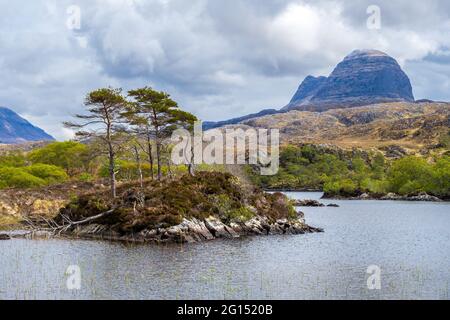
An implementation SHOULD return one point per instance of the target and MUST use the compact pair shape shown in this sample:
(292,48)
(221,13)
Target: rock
(4,236)
(391,196)
(256,226)
(194,230)
(308,203)
(9,209)
(198,229)
(218,229)
(333,205)
(307,89)
(363,77)
(423,196)
(394,151)
(364,196)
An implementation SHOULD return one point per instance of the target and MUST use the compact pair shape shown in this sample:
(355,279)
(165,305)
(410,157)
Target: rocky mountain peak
(363,77)
(355,54)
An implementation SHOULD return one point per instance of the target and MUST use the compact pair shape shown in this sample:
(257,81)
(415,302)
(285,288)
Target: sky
(217,59)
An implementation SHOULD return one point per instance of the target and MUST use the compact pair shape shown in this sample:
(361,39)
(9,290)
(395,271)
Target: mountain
(15,129)
(364,77)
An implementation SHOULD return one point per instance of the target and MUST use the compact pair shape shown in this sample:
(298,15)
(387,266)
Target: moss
(230,210)
(241,214)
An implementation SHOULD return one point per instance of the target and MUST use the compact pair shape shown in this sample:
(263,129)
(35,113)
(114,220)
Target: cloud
(218,59)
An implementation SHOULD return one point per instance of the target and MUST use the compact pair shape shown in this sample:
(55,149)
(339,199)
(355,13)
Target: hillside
(411,126)
(15,129)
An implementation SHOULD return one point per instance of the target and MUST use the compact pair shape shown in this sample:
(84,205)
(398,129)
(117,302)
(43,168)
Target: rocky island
(206,206)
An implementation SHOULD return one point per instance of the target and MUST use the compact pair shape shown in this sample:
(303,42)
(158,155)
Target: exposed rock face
(420,197)
(363,77)
(4,236)
(15,129)
(196,230)
(308,203)
(308,89)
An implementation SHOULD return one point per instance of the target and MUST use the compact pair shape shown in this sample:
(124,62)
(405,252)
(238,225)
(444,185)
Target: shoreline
(189,231)
(423,197)
(387,197)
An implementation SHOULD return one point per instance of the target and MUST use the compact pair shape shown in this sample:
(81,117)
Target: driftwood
(51,224)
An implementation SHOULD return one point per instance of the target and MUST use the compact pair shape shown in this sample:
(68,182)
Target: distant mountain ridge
(15,129)
(414,126)
(211,124)
(364,77)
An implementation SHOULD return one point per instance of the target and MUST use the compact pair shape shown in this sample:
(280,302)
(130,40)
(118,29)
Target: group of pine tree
(143,119)
(121,129)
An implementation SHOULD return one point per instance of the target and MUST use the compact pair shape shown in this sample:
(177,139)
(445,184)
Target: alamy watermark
(374,280)
(73,273)
(73,23)
(374,20)
(228,146)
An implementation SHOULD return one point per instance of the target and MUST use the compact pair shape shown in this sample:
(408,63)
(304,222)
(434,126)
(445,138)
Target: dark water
(408,241)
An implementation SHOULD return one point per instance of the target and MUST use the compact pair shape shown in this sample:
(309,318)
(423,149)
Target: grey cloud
(219,59)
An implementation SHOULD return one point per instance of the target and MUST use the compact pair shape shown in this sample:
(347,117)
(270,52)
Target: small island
(206,206)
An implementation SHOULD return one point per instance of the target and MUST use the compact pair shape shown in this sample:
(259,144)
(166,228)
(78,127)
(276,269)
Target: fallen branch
(98,216)
(67,223)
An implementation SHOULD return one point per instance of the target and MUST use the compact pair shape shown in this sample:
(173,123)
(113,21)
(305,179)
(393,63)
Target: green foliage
(441,177)
(129,170)
(49,173)
(304,167)
(31,176)
(70,155)
(338,173)
(444,140)
(230,210)
(410,175)
(85,177)
(345,187)
(18,178)
(13,159)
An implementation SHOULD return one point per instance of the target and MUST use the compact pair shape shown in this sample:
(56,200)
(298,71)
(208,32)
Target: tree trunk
(150,155)
(158,159)
(191,167)
(169,164)
(138,160)
(112,172)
